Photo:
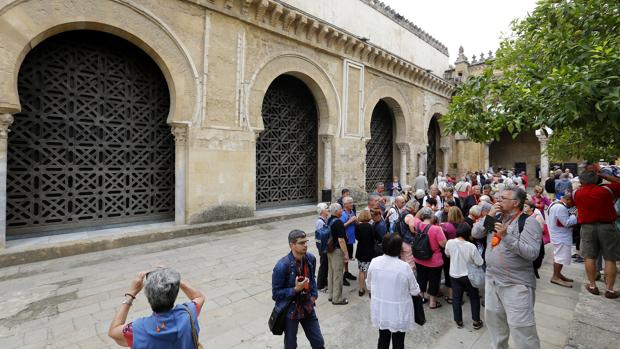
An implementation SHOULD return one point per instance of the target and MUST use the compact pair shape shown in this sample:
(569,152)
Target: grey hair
(517,194)
(373,197)
(588,177)
(485,198)
(419,193)
(333,208)
(347,200)
(320,207)
(379,184)
(485,207)
(413,205)
(161,289)
(475,211)
(426,213)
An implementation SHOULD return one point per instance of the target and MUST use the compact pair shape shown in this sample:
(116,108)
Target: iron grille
(380,148)
(91,145)
(286,151)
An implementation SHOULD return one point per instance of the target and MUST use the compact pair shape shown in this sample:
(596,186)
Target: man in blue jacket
(293,285)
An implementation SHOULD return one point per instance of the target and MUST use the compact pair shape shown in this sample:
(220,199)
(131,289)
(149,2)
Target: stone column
(487,159)
(544,159)
(327,162)
(180,171)
(5,121)
(422,162)
(446,158)
(403,162)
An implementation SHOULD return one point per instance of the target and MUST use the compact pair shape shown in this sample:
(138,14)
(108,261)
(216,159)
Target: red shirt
(596,204)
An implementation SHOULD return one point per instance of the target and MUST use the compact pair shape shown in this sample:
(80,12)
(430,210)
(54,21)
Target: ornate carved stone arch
(316,78)
(398,105)
(27,23)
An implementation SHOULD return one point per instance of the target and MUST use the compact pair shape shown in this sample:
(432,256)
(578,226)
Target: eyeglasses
(503,198)
(302,243)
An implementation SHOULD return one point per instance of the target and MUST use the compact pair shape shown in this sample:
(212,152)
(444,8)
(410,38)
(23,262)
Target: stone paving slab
(69,302)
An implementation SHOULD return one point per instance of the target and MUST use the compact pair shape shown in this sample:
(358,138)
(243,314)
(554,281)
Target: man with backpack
(512,246)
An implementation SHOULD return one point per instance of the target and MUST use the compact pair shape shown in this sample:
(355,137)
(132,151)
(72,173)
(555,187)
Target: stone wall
(219,57)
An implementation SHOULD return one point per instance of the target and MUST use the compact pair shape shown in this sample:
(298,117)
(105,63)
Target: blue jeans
(311,327)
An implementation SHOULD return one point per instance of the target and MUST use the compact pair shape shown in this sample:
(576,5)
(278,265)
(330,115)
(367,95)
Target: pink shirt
(435,234)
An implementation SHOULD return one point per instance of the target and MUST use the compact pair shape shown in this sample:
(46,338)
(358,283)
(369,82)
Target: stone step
(38,249)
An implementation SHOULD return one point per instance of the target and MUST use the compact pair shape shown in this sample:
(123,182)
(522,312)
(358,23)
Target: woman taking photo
(392,284)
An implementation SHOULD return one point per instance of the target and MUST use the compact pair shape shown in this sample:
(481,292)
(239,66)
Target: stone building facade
(125,111)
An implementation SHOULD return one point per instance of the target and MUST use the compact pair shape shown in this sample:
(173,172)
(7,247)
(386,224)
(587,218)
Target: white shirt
(438,198)
(393,214)
(392,284)
(560,233)
(462,253)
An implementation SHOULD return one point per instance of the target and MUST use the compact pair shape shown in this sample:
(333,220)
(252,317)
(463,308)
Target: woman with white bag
(464,256)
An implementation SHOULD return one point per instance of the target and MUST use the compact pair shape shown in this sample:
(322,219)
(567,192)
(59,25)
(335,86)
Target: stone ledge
(596,323)
(47,251)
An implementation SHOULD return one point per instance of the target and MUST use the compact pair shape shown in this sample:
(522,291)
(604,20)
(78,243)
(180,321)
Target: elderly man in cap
(293,287)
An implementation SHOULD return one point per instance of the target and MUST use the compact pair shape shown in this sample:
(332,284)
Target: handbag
(476,275)
(197,344)
(418,311)
(277,319)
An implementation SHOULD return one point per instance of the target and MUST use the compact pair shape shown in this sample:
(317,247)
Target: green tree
(560,68)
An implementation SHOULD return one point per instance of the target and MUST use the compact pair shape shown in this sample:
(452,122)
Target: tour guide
(510,280)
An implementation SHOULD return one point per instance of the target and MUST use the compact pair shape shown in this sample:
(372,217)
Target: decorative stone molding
(286,20)
(405,23)
(403,147)
(327,140)
(179,131)
(5,122)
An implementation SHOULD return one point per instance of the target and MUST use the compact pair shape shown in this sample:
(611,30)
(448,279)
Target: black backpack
(402,228)
(541,255)
(421,245)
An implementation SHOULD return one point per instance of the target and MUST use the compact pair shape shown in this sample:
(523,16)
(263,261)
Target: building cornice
(279,17)
(407,24)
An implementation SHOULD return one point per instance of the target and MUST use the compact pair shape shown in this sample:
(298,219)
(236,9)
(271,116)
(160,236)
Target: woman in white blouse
(463,253)
(392,284)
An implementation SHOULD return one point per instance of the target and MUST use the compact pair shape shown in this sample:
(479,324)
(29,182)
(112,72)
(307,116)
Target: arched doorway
(286,151)
(432,149)
(91,146)
(380,147)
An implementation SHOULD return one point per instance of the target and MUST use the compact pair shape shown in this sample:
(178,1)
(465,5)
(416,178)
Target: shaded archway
(380,147)
(286,150)
(432,149)
(91,145)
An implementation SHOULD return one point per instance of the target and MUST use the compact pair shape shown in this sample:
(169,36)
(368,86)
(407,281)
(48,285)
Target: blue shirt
(171,329)
(350,229)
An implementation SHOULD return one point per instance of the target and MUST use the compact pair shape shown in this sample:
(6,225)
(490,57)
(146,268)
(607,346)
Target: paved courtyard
(69,302)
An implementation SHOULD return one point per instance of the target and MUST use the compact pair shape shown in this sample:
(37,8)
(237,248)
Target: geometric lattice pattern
(91,145)
(286,151)
(431,150)
(379,149)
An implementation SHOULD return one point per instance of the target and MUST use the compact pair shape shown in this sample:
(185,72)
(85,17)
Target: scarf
(303,302)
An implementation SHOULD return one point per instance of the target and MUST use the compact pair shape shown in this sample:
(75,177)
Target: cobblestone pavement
(69,302)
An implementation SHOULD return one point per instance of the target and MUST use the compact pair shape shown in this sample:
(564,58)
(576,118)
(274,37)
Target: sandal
(611,294)
(361,293)
(594,290)
(342,302)
(448,299)
(478,325)
(437,305)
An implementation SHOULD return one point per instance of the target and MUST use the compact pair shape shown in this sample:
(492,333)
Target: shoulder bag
(197,344)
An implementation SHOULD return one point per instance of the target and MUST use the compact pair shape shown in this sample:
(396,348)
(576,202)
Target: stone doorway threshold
(40,248)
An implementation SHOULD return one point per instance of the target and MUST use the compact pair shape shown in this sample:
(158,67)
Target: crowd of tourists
(482,234)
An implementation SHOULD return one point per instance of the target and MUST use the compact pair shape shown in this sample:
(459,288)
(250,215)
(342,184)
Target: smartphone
(489,223)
